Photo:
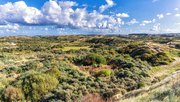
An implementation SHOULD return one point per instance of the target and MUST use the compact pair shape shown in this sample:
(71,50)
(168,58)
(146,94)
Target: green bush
(35,85)
(160,58)
(124,73)
(144,53)
(122,61)
(140,84)
(93,59)
(54,72)
(105,72)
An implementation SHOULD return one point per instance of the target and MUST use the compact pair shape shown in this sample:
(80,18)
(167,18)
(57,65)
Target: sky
(64,17)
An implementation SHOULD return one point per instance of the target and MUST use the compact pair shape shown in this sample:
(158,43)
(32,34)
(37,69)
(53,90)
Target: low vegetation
(76,68)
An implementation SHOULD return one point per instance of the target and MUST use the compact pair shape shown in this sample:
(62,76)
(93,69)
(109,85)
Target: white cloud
(177,15)
(46,29)
(133,21)
(145,22)
(10,27)
(62,14)
(168,14)
(122,15)
(154,20)
(156,27)
(110,3)
(19,12)
(160,16)
(170,30)
(176,9)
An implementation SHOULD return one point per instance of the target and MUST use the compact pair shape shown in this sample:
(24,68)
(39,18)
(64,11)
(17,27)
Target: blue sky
(57,17)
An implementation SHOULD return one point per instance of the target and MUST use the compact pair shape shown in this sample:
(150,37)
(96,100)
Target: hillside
(166,90)
(86,68)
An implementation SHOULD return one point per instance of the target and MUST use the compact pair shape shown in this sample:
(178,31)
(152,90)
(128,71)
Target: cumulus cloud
(122,15)
(160,16)
(19,12)
(156,27)
(168,14)
(133,21)
(109,4)
(145,22)
(62,14)
(176,9)
(10,27)
(177,15)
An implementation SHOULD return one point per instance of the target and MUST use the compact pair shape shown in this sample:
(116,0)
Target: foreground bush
(12,94)
(35,85)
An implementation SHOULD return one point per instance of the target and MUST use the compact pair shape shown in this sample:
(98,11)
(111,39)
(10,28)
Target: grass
(75,48)
(174,53)
(168,70)
(163,71)
(164,93)
(168,92)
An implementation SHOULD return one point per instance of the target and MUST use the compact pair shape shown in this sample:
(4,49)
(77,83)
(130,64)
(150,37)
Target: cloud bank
(60,14)
(71,15)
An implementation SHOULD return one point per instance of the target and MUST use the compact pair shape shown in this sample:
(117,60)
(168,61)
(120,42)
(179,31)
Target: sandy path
(163,72)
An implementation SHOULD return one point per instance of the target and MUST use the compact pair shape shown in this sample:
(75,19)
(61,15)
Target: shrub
(9,70)
(13,94)
(54,71)
(124,73)
(160,58)
(57,46)
(144,53)
(127,73)
(140,84)
(35,85)
(105,72)
(93,59)
(121,62)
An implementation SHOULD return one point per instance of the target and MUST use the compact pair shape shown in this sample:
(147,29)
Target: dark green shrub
(124,73)
(57,46)
(93,59)
(144,53)
(160,58)
(121,62)
(140,84)
(9,70)
(161,96)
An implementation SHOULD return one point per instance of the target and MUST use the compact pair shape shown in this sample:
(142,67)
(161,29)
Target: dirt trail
(177,61)
(163,72)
